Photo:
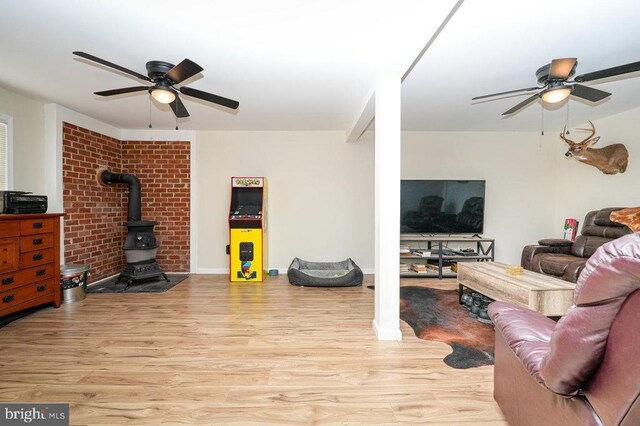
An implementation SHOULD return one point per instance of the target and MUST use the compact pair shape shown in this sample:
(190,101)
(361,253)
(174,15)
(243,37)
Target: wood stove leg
(165,277)
(127,284)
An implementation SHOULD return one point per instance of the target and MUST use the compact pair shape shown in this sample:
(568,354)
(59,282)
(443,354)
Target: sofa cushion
(603,217)
(553,263)
(585,246)
(608,232)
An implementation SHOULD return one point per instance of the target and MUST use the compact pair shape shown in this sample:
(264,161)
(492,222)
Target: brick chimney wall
(93,228)
(165,172)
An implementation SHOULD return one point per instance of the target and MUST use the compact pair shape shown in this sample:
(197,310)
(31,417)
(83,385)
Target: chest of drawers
(29,261)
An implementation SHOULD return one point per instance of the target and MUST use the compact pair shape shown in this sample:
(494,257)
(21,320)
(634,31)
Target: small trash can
(73,282)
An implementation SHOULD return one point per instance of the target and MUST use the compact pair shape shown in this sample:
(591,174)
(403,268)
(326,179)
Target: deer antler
(563,137)
(592,132)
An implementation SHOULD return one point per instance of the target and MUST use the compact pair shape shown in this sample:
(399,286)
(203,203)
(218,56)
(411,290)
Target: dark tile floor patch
(153,285)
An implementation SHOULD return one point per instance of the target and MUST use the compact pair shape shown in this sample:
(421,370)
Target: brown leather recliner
(566,259)
(584,369)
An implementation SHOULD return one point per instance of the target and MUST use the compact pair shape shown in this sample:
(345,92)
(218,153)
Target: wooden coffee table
(548,295)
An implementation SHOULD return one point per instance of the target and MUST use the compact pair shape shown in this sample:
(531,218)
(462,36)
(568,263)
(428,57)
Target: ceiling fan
(554,85)
(164,77)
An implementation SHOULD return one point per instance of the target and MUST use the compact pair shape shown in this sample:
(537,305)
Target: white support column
(386,322)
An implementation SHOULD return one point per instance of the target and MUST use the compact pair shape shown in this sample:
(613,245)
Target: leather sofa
(584,369)
(566,259)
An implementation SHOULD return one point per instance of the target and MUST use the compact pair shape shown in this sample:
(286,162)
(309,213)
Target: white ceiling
(292,64)
(492,46)
(310,65)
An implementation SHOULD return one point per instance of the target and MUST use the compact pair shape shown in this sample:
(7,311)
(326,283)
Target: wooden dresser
(29,261)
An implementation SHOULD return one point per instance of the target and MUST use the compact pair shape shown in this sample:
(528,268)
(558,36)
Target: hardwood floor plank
(212,352)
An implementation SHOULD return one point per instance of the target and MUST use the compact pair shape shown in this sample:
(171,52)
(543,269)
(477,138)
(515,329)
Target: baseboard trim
(91,284)
(387,334)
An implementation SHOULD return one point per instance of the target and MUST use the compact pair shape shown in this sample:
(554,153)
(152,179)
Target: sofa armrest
(573,270)
(527,333)
(528,252)
(555,242)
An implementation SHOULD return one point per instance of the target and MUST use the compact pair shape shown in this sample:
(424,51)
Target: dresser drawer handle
(7,281)
(41,287)
(37,241)
(37,225)
(40,272)
(37,256)
(7,299)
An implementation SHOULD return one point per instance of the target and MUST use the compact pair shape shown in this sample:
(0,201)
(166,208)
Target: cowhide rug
(436,315)
(629,217)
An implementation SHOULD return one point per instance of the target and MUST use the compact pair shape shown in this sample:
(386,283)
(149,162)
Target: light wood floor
(211,352)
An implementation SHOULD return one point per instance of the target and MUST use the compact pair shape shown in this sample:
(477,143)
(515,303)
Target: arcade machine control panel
(246,213)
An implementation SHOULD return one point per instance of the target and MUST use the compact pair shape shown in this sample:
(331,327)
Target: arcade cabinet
(247,228)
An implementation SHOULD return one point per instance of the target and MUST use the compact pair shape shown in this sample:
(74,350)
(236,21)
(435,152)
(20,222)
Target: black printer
(20,202)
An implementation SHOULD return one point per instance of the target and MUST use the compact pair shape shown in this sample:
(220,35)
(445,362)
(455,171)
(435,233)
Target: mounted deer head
(609,160)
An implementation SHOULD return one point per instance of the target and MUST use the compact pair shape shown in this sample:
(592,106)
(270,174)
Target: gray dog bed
(324,274)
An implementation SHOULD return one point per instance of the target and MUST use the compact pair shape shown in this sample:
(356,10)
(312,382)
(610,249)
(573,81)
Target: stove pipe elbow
(134,210)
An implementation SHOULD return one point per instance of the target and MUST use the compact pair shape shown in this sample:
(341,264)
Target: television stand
(437,257)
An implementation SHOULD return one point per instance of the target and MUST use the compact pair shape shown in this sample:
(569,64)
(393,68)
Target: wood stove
(140,245)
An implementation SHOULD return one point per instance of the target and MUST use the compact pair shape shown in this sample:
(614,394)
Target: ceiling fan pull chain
(542,119)
(176,117)
(566,121)
(150,110)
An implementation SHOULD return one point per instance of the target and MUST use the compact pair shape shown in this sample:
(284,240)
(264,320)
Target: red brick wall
(94,214)
(93,231)
(165,172)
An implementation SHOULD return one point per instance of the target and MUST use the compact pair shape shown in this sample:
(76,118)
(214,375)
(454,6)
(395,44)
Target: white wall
(320,194)
(519,170)
(581,188)
(322,208)
(29,153)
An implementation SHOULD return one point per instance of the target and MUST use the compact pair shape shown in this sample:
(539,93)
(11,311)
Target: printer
(20,202)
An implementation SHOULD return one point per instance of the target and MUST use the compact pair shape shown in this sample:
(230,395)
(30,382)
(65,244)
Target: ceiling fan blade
(121,91)
(561,68)
(521,104)
(609,72)
(589,93)
(528,89)
(183,71)
(111,65)
(178,108)
(209,97)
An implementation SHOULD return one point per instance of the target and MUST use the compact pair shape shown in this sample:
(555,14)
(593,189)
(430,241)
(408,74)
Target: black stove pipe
(135,196)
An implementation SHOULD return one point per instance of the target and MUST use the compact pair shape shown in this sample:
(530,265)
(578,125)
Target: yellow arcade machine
(247,229)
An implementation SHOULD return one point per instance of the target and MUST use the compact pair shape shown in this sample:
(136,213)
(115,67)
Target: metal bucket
(73,282)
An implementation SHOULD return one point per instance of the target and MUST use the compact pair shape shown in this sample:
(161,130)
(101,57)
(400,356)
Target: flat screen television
(442,206)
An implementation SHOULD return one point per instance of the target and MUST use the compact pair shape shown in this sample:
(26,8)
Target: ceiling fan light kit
(164,76)
(554,85)
(164,95)
(556,94)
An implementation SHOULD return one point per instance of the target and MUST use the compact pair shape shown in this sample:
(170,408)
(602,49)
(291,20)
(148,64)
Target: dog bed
(324,274)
